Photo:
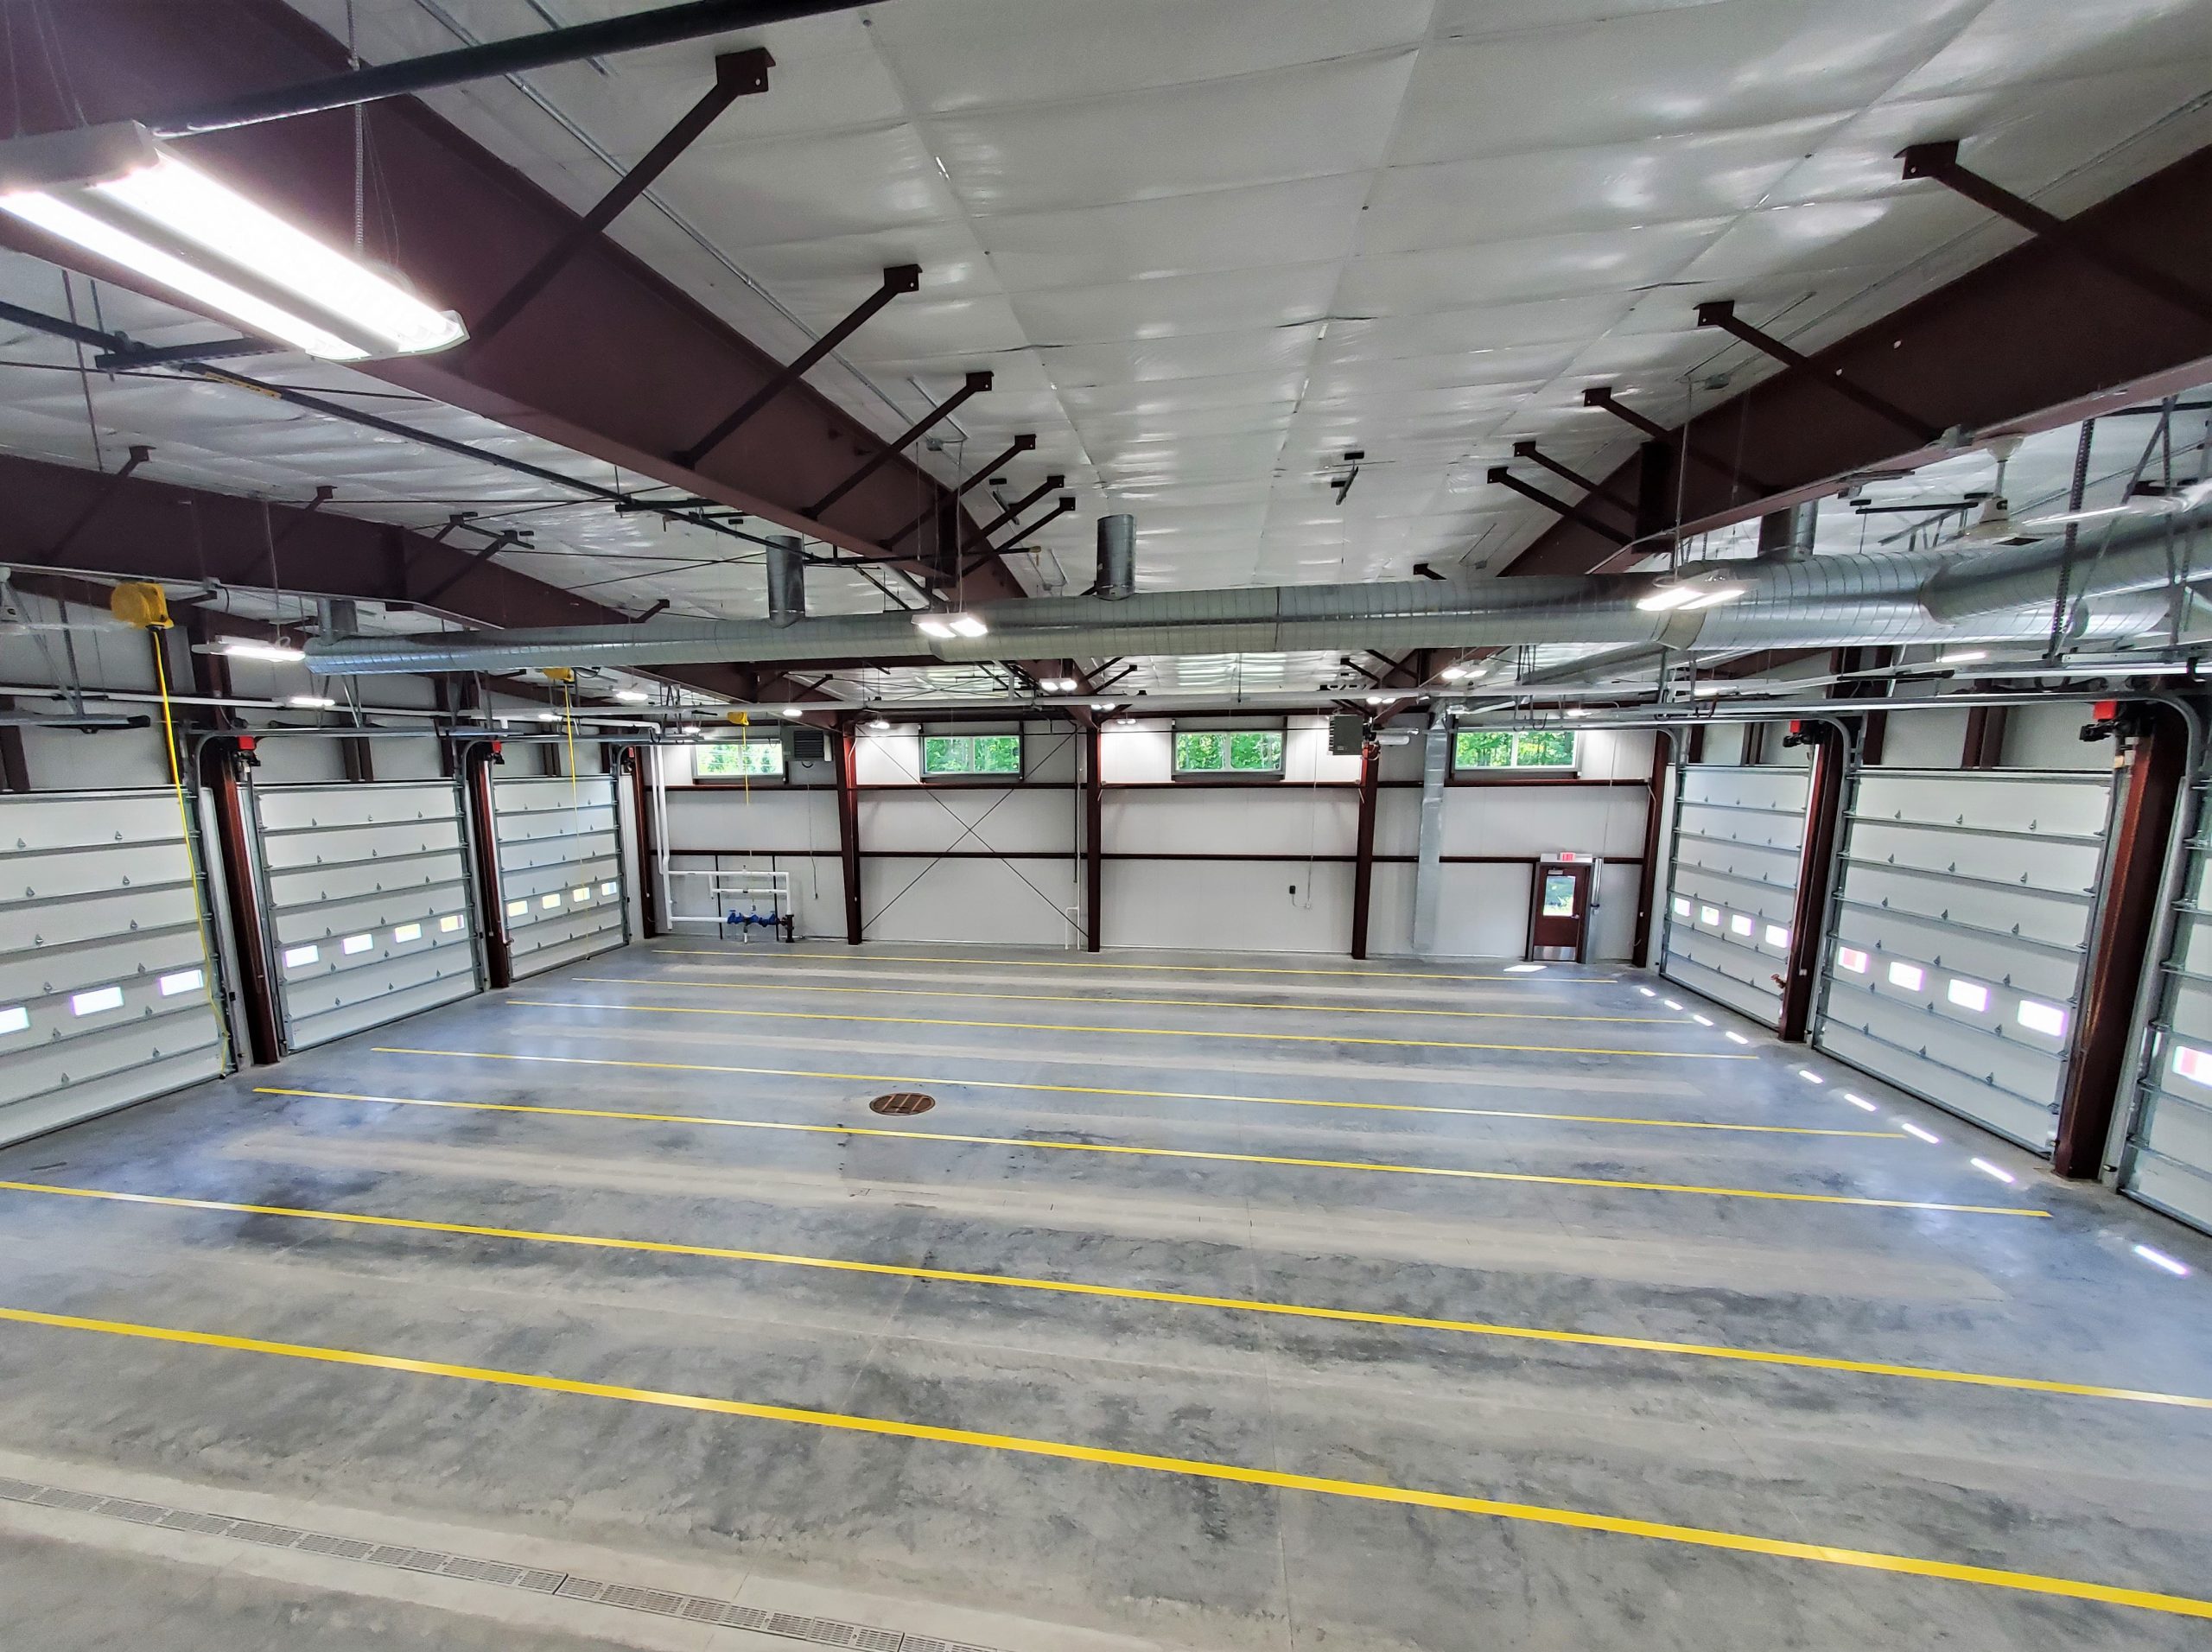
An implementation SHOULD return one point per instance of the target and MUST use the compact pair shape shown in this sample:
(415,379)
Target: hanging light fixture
(119,194)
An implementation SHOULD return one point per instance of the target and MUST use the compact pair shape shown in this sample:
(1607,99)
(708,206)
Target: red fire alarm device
(1558,907)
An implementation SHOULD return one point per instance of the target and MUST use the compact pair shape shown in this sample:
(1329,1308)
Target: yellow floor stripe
(1133,1293)
(1150,1094)
(1100,998)
(1162,1153)
(1361,1491)
(1136,1032)
(834,958)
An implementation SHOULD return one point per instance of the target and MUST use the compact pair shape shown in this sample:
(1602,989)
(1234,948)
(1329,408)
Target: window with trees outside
(948,756)
(1228,751)
(738,759)
(1487,749)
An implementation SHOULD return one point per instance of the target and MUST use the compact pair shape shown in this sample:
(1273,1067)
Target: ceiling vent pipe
(1117,559)
(786,581)
(1786,536)
(2002,596)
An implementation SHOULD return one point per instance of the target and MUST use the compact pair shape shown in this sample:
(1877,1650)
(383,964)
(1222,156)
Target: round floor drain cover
(901,1102)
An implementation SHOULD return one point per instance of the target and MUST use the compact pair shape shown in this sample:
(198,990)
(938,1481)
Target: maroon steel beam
(1026,443)
(1721,313)
(15,770)
(1602,396)
(1503,478)
(1536,455)
(1815,863)
(1363,864)
(1939,161)
(632,760)
(484,846)
(2029,340)
(737,74)
(2151,770)
(899,278)
(1094,832)
(224,765)
(848,831)
(1984,740)
(1647,877)
(975,385)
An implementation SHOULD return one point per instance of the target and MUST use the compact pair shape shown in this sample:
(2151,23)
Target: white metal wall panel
(1963,916)
(2167,1161)
(560,868)
(366,894)
(104,993)
(1731,892)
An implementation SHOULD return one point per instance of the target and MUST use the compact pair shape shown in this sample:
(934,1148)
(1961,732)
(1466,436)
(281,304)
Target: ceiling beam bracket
(1026,443)
(1602,396)
(1536,455)
(1721,313)
(138,456)
(737,74)
(899,278)
(1574,513)
(1939,161)
(1061,506)
(975,385)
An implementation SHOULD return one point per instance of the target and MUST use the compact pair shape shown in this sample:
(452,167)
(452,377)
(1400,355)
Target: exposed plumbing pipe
(1996,596)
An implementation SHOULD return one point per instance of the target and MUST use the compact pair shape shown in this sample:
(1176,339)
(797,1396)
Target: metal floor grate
(697,1608)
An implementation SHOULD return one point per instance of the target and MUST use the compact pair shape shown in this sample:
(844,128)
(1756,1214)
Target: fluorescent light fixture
(1810,1076)
(15,1019)
(1998,1170)
(1907,975)
(405,933)
(1962,656)
(312,702)
(2042,1018)
(1101,705)
(184,980)
(1967,995)
(275,653)
(1859,1102)
(968,624)
(2159,1259)
(1737,1038)
(1577,711)
(353,943)
(691,728)
(931,625)
(1522,969)
(1667,597)
(632,696)
(1707,690)
(1851,958)
(788,711)
(115,192)
(299,957)
(1702,1021)
(1715,596)
(1378,699)
(1462,673)
(1912,1129)
(879,724)
(98,999)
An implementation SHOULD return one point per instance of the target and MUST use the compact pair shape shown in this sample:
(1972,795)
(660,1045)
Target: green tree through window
(954,754)
(1243,751)
(1514,748)
(738,759)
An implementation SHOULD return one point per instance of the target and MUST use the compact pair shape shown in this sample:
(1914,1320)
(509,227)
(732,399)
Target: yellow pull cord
(158,635)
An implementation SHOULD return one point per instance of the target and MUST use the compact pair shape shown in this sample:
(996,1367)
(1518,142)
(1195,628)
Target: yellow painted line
(1133,1293)
(1149,1094)
(1161,1152)
(835,959)
(1194,1468)
(1098,998)
(1134,1031)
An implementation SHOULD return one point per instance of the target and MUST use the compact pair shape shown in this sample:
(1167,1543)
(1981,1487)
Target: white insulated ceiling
(1208,246)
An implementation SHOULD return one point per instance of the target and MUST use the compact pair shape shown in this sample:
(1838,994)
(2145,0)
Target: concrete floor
(936,1541)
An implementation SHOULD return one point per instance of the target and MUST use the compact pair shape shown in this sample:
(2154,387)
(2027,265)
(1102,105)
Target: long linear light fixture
(116,192)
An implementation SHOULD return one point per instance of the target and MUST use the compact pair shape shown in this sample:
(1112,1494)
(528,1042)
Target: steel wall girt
(2036,334)
(611,359)
(162,531)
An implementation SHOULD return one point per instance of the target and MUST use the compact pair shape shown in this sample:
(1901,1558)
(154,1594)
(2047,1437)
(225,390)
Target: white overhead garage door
(1733,891)
(365,895)
(560,869)
(105,994)
(1962,921)
(2167,1161)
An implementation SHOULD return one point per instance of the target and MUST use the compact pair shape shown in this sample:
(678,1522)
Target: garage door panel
(560,869)
(2166,1160)
(365,892)
(105,994)
(1733,884)
(1962,926)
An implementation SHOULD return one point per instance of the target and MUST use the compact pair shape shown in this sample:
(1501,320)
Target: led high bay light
(116,192)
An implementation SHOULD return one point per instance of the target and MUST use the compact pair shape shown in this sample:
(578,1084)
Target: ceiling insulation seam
(1893,598)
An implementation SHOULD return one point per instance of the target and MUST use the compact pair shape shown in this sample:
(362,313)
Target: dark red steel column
(2150,772)
(1823,819)
(1363,865)
(484,843)
(224,765)
(632,760)
(848,832)
(1094,847)
(1647,874)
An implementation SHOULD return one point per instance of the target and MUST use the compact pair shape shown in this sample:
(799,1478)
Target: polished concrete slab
(1536,1261)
